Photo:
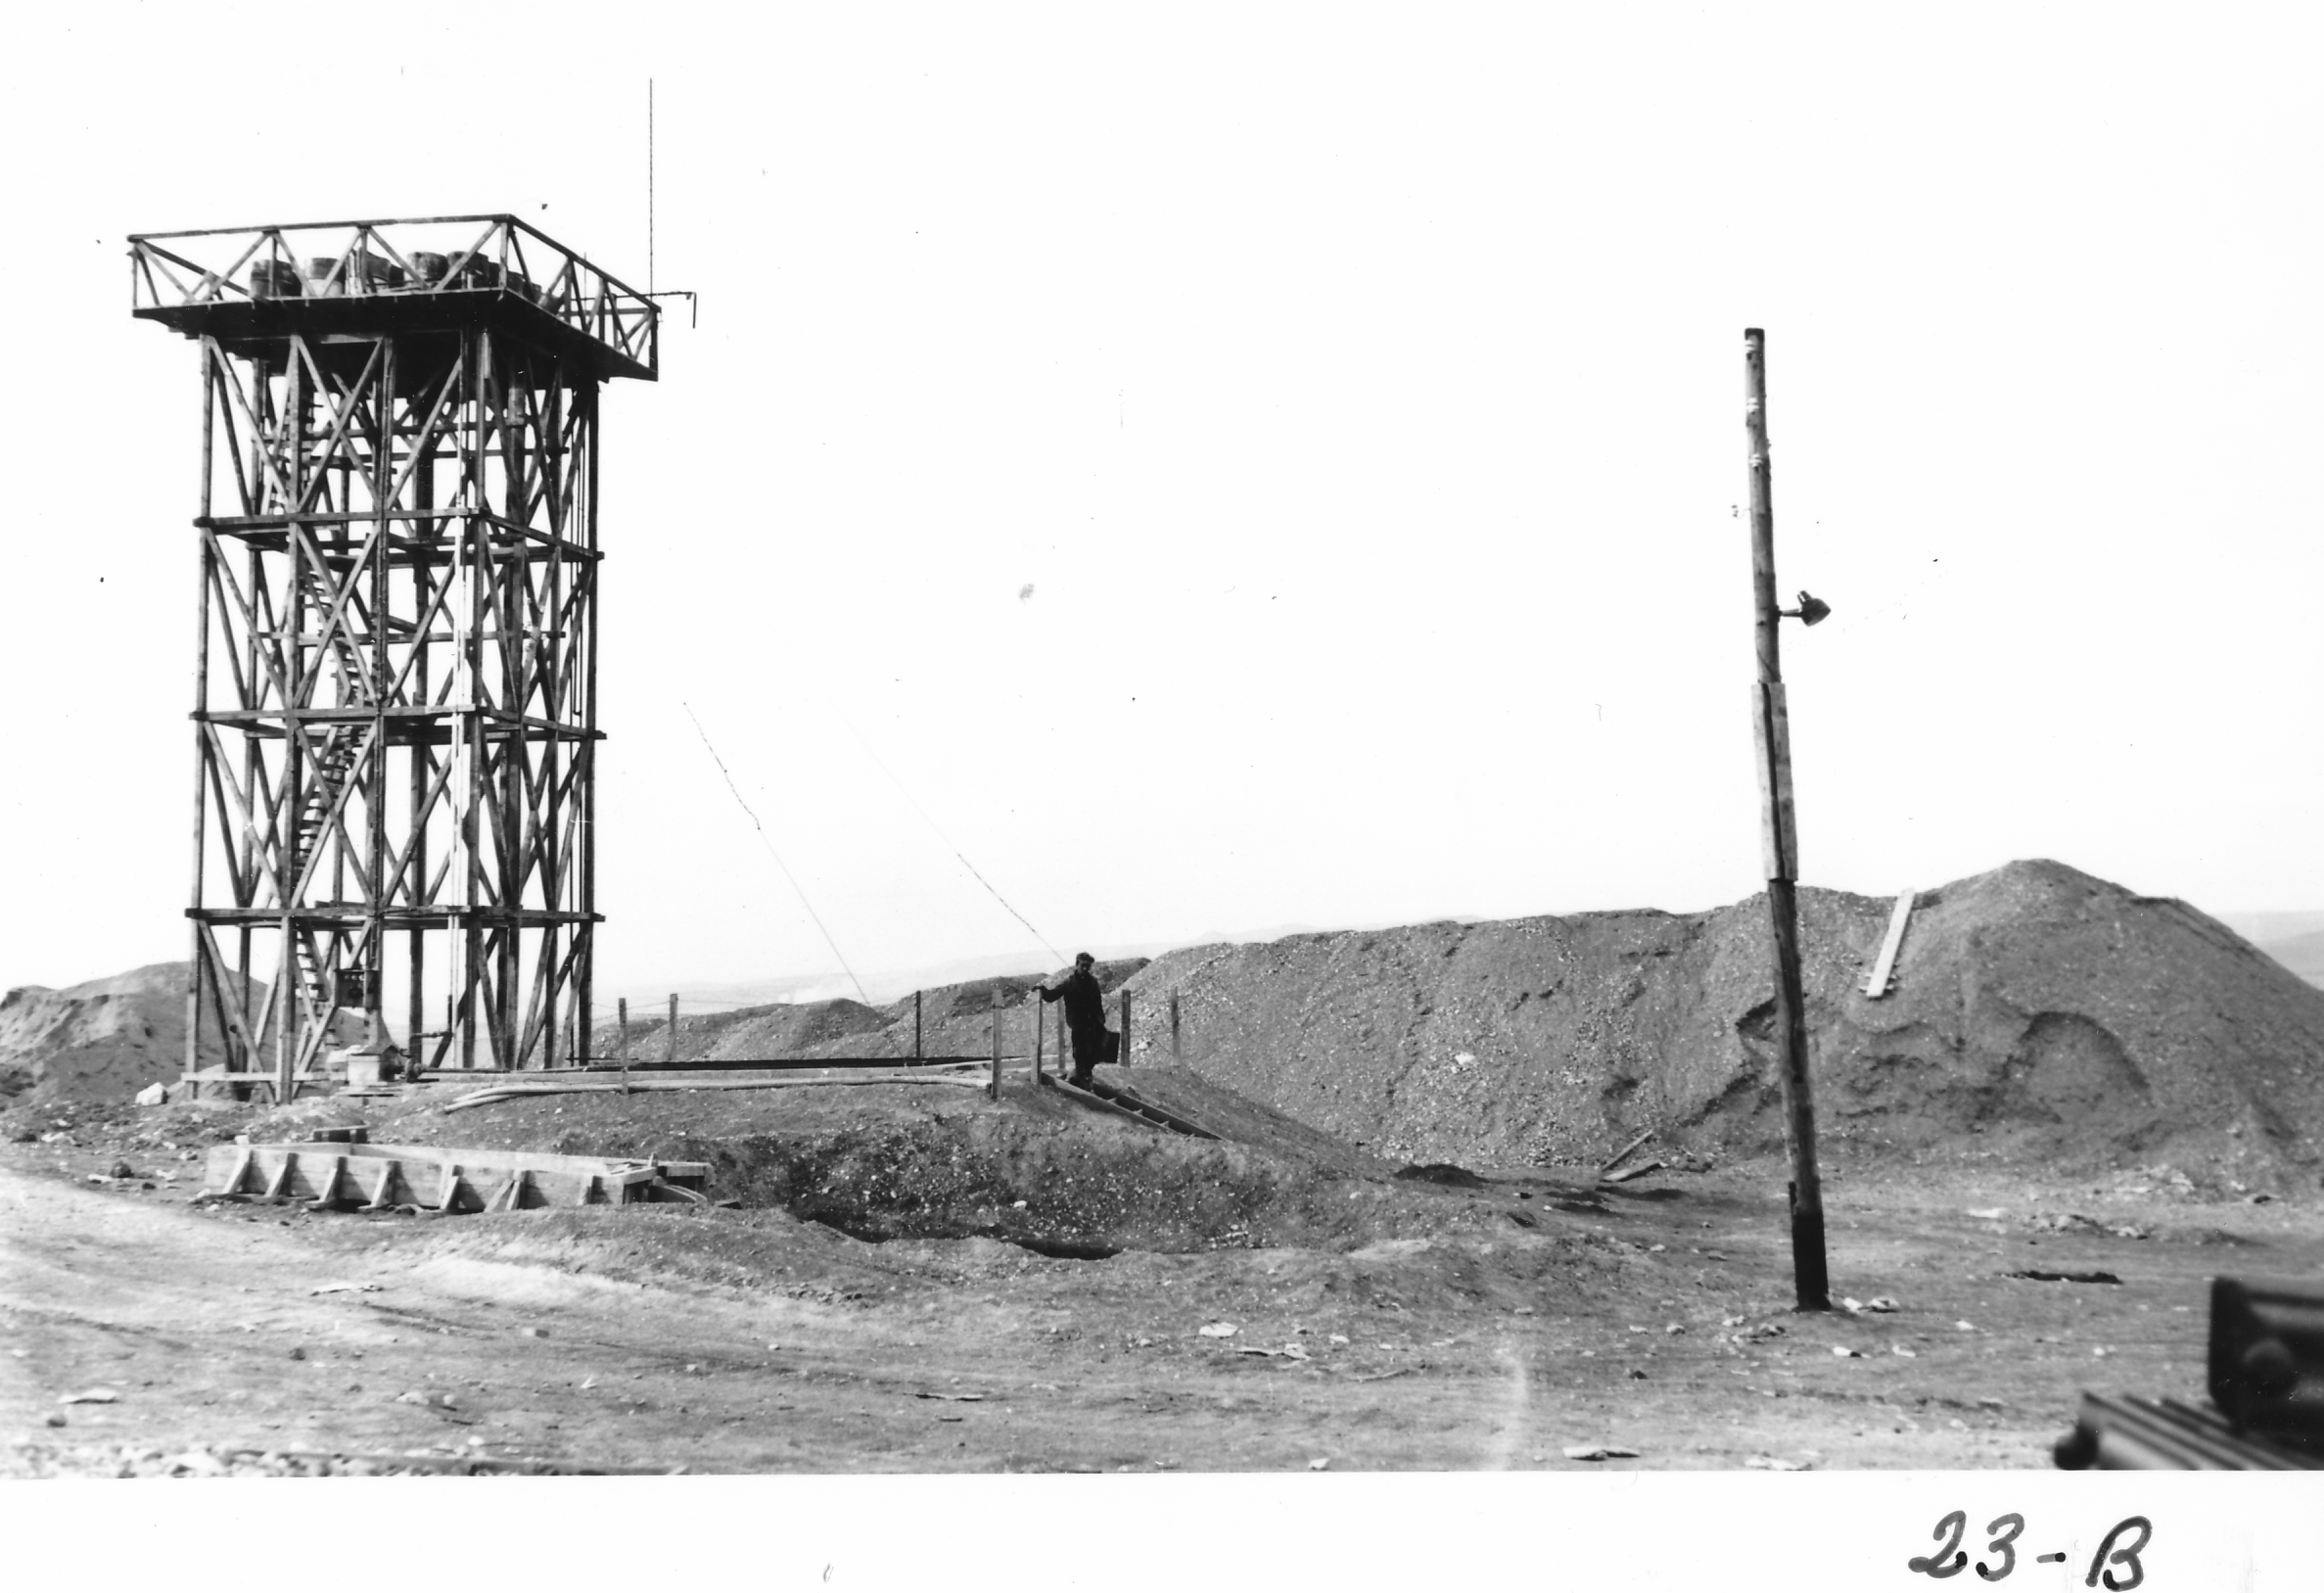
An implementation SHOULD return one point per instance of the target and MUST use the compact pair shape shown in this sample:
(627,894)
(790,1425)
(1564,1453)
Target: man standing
(1084,1015)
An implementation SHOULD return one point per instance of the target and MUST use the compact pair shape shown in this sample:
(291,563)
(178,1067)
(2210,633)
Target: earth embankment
(103,1040)
(2036,1011)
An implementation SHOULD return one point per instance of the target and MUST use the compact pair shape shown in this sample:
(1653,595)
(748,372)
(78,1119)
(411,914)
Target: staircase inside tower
(339,761)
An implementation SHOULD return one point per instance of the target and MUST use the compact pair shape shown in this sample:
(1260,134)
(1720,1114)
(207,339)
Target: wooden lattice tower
(395,698)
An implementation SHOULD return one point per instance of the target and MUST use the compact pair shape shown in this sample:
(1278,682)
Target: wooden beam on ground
(1621,1155)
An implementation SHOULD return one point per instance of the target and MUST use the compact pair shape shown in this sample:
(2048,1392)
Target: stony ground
(1377,1321)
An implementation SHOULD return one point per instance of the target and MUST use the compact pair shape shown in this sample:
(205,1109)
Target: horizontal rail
(264,270)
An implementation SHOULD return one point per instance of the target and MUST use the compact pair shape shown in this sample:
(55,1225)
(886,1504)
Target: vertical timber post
(195,965)
(673,1028)
(622,1006)
(996,1040)
(1175,1055)
(1780,851)
(916,1026)
(1125,1026)
(1038,1032)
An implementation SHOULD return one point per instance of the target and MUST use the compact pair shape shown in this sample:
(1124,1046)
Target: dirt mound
(100,1041)
(2036,1011)
(1042,1172)
(955,1020)
(1245,1121)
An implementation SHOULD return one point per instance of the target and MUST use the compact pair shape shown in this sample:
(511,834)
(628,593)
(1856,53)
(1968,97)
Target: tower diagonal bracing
(394,715)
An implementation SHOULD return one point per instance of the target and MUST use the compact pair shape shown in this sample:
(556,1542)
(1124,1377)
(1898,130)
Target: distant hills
(2294,939)
(2303,954)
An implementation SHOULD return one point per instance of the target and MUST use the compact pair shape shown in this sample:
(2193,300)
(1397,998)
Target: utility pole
(1779,845)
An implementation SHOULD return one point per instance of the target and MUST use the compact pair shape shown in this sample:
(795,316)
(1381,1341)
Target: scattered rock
(1441,1172)
(1598,1451)
(1771,1463)
(1321,1463)
(91,1396)
(1847,1354)
(1217,1329)
(2035,1275)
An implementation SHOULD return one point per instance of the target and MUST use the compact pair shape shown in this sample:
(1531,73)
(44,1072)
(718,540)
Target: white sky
(1361,393)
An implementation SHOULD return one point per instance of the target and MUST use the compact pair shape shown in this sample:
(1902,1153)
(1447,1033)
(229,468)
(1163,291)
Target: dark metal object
(394,714)
(1780,846)
(2132,1434)
(2267,1360)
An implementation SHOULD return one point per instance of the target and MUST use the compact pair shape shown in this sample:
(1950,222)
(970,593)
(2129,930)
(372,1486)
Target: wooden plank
(1617,1158)
(1876,985)
(384,1185)
(238,1157)
(538,1161)
(383,1176)
(329,1189)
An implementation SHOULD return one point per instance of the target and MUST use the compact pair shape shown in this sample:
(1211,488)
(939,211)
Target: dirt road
(734,1341)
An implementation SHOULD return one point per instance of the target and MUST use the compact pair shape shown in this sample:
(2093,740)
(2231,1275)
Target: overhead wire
(955,850)
(769,843)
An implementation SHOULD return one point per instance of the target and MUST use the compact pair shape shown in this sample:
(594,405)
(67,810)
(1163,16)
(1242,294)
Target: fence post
(1175,1055)
(1125,1026)
(1038,1032)
(996,1040)
(622,1006)
(673,1028)
(916,1026)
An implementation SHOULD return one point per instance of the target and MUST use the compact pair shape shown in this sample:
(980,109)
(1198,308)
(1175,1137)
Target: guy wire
(776,856)
(955,851)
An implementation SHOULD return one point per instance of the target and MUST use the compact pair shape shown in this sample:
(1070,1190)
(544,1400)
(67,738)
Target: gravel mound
(2036,1012)
(105,1040)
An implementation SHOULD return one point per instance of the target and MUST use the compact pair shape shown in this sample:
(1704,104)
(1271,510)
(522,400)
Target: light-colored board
(1876,985)
(447,1179)
(384,1185)
(328,1190)
(238,1157)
